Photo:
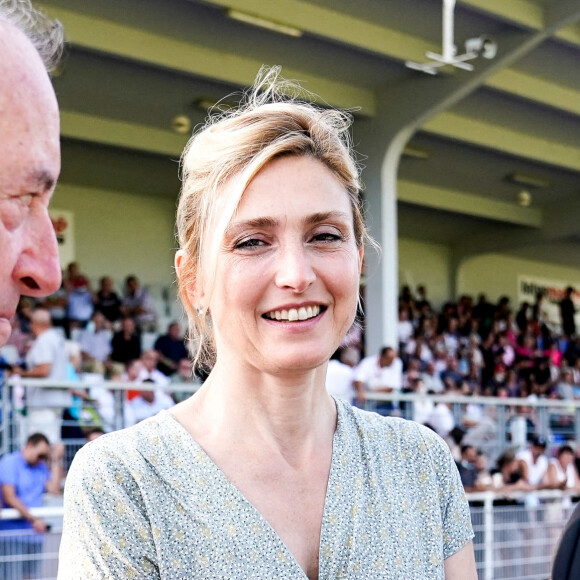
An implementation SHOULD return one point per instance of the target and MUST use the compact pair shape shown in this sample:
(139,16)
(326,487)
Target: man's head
(132,284)
(134,367)
(386,357)
(150,359)
(128,325)
(30,45)
(106,284)
(184,369)
(469,454)
(538,446)
(174,331)
(37,449)
(565,455)
(94,434)
(99,320)
(40,321)
(148,395)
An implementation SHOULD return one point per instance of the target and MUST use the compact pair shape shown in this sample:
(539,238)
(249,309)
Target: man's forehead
(29,119)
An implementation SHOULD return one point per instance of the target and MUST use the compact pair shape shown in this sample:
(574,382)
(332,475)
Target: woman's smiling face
(287,274)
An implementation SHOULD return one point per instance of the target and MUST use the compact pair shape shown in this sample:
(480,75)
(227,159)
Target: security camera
(482,46)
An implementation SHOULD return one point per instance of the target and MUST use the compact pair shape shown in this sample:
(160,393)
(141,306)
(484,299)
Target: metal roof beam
(120,134)
(467,204)
(124,41)
(524,145)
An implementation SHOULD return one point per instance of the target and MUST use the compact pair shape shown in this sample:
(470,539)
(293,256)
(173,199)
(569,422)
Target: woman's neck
(285,413)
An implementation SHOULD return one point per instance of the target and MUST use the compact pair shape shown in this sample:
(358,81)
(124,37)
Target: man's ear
(193,288)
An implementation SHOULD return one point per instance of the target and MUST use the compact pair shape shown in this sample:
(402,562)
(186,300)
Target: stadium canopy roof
(477,145)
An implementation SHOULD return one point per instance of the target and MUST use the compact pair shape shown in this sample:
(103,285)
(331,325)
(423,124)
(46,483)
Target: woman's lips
(295,314)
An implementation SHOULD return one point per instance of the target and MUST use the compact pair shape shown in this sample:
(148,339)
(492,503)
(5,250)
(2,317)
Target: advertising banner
(553,291)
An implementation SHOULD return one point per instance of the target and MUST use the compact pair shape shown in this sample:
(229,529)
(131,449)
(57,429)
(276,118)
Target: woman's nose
(294,269)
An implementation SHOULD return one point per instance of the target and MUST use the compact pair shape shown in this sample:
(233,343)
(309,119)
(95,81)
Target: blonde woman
(261,474)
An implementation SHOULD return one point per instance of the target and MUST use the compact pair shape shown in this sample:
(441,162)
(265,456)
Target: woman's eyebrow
(260,222)
(269,222)
(316,218)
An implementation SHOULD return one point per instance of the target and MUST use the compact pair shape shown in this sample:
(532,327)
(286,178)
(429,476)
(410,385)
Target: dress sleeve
(106,531)
(455,514)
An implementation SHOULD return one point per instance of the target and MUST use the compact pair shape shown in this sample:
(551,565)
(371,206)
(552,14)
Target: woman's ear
(188,279)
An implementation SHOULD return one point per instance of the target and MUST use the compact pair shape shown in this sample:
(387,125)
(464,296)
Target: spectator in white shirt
(381,373)
(95,342)
(340,374)
(432,380)
(149,371)
(404,328)
(534,462)
(147,404)
(46,359)
(418,348)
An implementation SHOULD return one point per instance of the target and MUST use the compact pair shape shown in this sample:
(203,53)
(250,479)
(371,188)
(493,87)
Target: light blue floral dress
(147,502)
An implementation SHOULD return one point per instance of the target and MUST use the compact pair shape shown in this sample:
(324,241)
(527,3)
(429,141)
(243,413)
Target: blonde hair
(271,122)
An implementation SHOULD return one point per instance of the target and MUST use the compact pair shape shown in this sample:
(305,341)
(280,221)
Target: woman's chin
(292,364)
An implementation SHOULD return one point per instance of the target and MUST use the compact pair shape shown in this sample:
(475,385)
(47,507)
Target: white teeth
(294,314)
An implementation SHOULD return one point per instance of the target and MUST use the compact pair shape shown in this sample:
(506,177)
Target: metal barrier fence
(512,542)
(514,537)
(515,419)
(14,411)
(25,554)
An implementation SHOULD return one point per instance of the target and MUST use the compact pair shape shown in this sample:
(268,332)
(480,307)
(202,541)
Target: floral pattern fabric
(148,502)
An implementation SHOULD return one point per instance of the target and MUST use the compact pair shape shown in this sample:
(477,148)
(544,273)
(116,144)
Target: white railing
(516,534)
(557,419)
(13,408)
(512,542)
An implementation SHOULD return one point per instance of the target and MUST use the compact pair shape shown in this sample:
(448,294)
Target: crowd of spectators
(471,349)
(96,336)
(465,348)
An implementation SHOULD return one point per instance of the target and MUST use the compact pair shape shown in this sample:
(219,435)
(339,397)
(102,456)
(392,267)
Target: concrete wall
(120,233)
(427,264)
(496,275)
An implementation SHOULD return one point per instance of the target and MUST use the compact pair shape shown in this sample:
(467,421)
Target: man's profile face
(29,167)
(34,454)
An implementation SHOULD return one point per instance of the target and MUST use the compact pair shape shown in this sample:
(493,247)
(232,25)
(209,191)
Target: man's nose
(38,270)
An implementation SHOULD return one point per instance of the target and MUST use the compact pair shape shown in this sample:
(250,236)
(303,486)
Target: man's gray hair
(45,34)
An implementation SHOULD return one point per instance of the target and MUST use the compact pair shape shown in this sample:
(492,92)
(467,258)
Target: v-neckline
(334,468)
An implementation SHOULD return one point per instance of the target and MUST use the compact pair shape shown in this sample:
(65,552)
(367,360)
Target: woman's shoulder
(389,431)
(126,449)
